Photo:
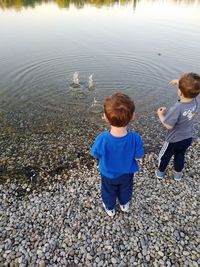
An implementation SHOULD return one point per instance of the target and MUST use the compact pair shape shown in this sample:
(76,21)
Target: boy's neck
(185,99)
(118,131)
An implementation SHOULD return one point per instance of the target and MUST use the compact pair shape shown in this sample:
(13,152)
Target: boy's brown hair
(189,84)
(119,109)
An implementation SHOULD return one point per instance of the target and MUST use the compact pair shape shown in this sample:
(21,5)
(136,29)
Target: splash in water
(75,82)
(91,83)
(95,102)
(75,78)
(96,107)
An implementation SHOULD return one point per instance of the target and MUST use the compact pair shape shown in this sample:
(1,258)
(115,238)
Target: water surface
(130,46)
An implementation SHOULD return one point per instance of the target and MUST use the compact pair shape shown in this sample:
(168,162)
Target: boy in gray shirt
(179,121)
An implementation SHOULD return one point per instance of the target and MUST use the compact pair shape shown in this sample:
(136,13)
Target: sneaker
(111,213)
(125,207)
(178,176)
(159,174)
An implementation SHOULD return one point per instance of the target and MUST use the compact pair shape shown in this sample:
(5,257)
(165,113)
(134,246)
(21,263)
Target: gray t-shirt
(182,117)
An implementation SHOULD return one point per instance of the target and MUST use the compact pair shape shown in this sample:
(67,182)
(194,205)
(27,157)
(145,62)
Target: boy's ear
(133,117)
(104,117)
(179,92)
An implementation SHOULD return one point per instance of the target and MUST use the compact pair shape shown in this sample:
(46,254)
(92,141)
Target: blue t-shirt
(117,155)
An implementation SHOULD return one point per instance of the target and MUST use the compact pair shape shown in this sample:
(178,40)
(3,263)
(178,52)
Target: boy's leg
(179,154)
(108,193)
(125,188)
(165,155)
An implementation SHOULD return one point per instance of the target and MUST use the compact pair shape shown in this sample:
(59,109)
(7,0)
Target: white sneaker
(125,207)
(111,213)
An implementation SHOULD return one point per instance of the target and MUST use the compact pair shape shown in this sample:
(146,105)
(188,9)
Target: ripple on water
(47,80)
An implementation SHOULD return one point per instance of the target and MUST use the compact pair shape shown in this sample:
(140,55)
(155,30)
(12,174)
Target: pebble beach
(51,210)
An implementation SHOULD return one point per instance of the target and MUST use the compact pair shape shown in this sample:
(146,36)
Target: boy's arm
(139,149)
(95,149)
(161,116)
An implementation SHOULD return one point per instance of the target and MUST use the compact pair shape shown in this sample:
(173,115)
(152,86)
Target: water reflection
(19,4)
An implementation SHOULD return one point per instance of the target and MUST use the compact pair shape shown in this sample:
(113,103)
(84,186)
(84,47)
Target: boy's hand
(161,111)
(174,82)
(161,116)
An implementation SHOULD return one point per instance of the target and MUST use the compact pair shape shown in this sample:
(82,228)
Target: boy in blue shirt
(117,151)
(179,121)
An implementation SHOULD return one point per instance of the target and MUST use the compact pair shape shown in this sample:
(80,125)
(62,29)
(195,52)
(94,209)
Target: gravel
(51,210)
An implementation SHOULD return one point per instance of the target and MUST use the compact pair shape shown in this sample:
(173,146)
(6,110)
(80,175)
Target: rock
(42,264)
(114,260)
(160,253)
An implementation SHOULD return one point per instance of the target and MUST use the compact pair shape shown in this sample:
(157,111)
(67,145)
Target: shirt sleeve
(172,115)
(96,148)
(139,148)
(198,103)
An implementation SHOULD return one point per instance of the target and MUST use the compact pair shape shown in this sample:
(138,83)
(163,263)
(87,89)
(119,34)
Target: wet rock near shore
(36,148)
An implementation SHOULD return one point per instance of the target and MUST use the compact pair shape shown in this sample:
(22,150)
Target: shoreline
(52,143)
(35,147)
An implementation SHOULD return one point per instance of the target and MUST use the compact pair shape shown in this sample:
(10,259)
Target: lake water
(130,46)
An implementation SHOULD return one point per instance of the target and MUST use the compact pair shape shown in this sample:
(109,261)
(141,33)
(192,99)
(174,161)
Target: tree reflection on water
(19,4)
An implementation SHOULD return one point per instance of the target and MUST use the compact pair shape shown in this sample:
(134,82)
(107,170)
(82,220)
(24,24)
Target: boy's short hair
(189,84)
(119,109)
